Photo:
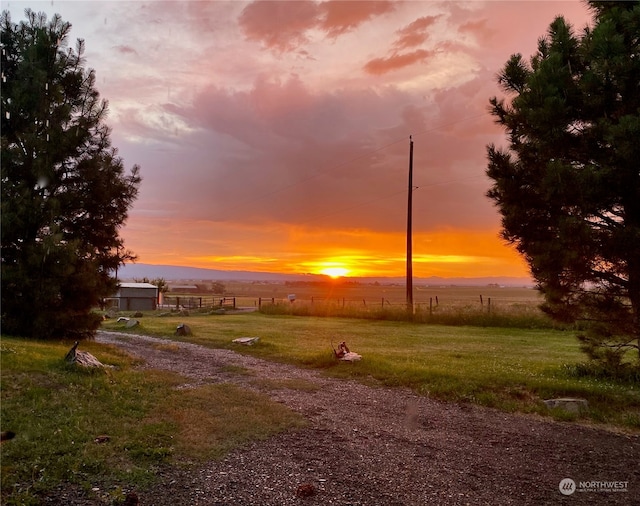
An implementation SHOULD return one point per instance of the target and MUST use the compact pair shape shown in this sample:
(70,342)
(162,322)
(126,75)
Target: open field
(449,305)
(342,290)
(506,368)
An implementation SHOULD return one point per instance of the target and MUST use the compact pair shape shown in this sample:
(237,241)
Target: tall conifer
(568,182)
(65,192)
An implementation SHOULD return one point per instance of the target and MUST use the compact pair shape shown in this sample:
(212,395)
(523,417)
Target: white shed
(137,296)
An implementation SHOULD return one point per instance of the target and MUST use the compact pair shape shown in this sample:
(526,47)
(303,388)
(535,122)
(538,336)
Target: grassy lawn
(59,412)
(509,369)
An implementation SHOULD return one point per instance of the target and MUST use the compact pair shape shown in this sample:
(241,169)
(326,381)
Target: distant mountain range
(181,273)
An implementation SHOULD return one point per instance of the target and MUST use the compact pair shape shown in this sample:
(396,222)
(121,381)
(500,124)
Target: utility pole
(409,231)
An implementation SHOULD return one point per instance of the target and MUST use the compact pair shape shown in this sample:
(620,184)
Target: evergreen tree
(65,193)
(568,184)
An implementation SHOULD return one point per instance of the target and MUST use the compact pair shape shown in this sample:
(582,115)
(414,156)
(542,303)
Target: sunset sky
(274,136)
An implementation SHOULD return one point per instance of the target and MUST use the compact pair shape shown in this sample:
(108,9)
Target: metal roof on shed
(137,285)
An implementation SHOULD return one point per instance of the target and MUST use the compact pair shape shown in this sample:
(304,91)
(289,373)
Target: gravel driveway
(387,446)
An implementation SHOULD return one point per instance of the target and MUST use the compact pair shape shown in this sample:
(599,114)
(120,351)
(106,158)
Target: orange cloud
(284,25)
(379,66)
(279,25)
(415,33)
(343,16)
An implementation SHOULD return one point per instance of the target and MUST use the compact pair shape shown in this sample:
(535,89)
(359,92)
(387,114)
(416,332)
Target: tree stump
(82,358)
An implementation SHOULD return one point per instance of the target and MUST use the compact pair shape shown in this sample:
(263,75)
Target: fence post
(436,300)
(481,302)
(489,305)
(234,303)
(177,302)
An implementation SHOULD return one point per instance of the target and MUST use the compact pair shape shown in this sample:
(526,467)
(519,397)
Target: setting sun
(335,272)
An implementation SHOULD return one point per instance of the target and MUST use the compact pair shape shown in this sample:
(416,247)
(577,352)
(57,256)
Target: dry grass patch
(172,347)
(213,419)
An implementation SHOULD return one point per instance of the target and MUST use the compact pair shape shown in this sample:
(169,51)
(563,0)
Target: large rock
(247,341)
(183,330)
(82,358)
(132,323)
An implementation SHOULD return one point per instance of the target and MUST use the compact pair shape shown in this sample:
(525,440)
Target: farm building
(137,296)
(183,288)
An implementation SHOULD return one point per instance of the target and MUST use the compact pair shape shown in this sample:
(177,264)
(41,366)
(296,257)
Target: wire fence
(431,304)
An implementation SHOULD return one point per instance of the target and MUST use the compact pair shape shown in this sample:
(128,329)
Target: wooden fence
(194,302)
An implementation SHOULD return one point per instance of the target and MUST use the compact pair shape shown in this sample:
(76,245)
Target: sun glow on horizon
(335,272)
(447,253)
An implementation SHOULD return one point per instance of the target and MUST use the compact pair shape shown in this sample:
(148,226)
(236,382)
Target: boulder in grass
(82,358)
(183,330)
(344,353)
(570,405)
(247,341)
(132,323)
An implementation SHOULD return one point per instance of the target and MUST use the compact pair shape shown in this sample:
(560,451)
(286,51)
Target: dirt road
(381,446)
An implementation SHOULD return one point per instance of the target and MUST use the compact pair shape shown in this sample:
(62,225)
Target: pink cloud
(284,25)
(480,29)
(289,155)
(123,49)
(343,16)
(379,66)
(503,28)
(415,33)
(241,148)
(279,25)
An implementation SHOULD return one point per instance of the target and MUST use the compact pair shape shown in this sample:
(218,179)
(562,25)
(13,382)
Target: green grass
(57,411)
(456,314)
(506,368)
